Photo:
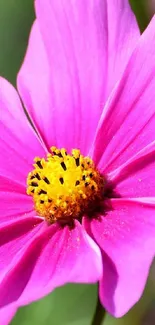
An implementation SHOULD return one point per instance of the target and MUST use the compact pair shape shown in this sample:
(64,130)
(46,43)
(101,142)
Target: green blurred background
(72,304)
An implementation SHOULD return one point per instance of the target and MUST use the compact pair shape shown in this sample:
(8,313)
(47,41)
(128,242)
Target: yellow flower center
(65,187)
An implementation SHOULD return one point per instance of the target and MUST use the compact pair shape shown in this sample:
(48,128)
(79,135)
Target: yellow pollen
(64,187)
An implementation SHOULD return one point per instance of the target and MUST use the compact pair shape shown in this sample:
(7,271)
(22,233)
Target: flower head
(65,187)
(78,188)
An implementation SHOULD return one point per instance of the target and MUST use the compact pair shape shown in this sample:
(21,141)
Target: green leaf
(16,17)
(68,305)
(139,8)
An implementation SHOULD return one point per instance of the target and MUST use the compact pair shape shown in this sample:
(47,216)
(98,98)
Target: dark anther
(82,165)
(34,184)
(77,183)
(38,176)
(63,165)
(41,201)
(86,184)
(93,187)
(42,192)
(83,177)
(77,161)
(32,177)
(91,175)
(46,180)
(49,200)
(39,164)
(60,155)
(32,191)
(54,208)
(61,180)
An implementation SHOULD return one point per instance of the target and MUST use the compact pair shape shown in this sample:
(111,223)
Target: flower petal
(128,122)
(127,237)
(14,200)
(135,178)
(122,36)
(33,85)
(18,141)
(7,313)
(64,79)
(56,256)
(14,236)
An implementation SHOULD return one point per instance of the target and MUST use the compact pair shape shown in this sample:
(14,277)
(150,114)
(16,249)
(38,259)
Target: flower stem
(99,314)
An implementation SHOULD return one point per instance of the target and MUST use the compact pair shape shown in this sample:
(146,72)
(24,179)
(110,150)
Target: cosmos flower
(77,189)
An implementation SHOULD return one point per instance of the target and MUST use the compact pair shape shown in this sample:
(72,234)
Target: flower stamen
(64,187)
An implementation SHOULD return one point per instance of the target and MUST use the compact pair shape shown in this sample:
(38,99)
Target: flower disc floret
(64,186)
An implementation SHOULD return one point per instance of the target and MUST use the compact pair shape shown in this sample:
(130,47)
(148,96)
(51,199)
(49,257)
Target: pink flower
(87,82)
